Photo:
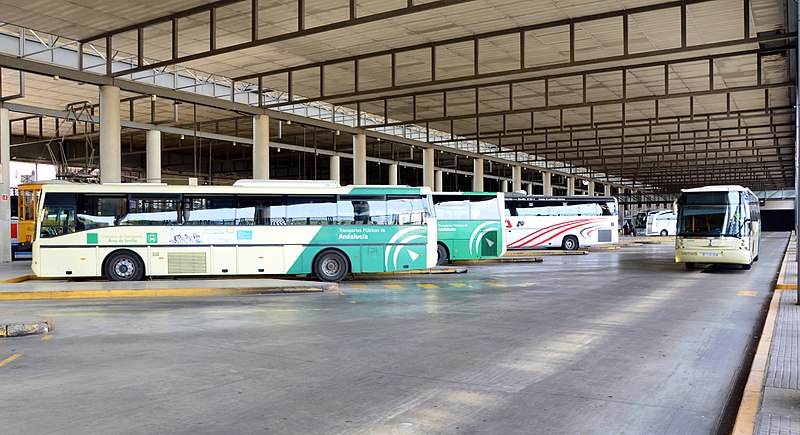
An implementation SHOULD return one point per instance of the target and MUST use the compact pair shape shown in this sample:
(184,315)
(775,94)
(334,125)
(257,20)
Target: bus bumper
(35,264)
(712,250)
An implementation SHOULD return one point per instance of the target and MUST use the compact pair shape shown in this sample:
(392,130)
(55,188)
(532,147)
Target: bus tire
(124,265)
(570,243)
(442,256)
(331,266)
(755,258)
(689,266)
(747,266)
(664,233)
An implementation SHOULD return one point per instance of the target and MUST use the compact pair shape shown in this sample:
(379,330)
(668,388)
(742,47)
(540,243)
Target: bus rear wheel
(664,233)
(689,266)
(441,254)
(747,266)
(570,243)
(124,266)
(331,266)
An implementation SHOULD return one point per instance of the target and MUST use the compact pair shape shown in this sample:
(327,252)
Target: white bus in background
(719,225)
(568,222)
(661,223)
(127,232)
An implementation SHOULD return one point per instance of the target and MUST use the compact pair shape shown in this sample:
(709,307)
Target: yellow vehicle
(28,197)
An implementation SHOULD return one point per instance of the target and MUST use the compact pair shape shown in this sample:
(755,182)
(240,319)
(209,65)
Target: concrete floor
(622,341)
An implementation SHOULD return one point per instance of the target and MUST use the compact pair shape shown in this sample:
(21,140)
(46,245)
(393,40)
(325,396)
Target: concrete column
(570,186)
(477,175)
(110,151)
(428,168)
(548,183)
(591,187)
(529,189)
(516,177)
(153,155)
(503,186)
(360,159)
(335,171)
(607,190)
(261,147)
(437,184)
(393,174)
(5,186)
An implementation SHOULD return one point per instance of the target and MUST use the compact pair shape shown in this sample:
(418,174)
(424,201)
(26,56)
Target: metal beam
(301,32)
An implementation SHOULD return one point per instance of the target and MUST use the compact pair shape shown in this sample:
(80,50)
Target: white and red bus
(568,222)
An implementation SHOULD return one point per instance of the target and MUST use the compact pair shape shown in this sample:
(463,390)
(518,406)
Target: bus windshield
(711,214)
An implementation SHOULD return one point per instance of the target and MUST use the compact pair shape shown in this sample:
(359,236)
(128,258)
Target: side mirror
(675,207)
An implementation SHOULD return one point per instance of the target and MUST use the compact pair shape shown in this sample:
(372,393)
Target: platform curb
(158,293)
(18,279)
(753,391)
(541,253)
(513,259)
(21,329)
(420,272)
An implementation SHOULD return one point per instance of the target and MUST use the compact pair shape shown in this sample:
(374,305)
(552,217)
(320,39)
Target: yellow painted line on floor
(750,293)
(457,284)
(9,359)
(786,287)
(494,284)
(394,286)
(745,423)
(359,286)
(341,293)
(169,292)
(47,337)
(428,286)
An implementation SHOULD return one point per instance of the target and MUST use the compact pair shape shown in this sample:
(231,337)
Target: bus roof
(244,188)
(720,188)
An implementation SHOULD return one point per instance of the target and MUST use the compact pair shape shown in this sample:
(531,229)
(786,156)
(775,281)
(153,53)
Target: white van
(661,223)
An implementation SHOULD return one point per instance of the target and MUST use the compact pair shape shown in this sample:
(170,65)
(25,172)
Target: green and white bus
(470,225)
(718,225)
(126,232)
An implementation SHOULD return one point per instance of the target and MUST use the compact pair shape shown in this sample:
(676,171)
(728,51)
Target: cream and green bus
(126,232)
(718,225)
(470,225)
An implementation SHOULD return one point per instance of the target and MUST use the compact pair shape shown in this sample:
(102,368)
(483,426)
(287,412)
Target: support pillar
(153,141)
(607,190)
(591,187)
(261,147)
(437,184)
(360,159)
(393,174)
(5,186)
(503,186)
(547,177)
(570,186)
(335,169)
(477,175)
(428,168)
(110,151)
(529,189)
(516,177)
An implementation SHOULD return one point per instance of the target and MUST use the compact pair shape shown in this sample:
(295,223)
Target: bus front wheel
(570,243)
(441,254)
(331,266)
(689,266)
(124,266)
(747,266)
(664,233)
